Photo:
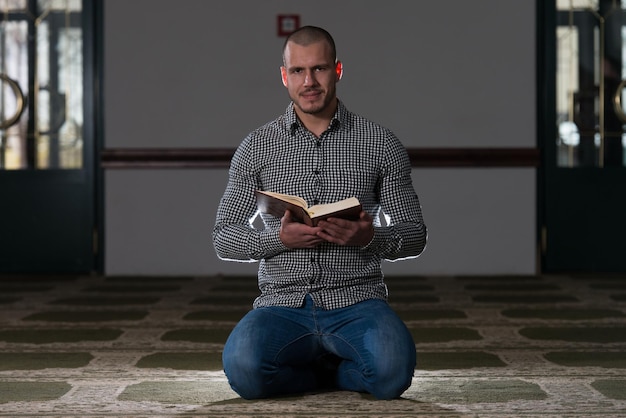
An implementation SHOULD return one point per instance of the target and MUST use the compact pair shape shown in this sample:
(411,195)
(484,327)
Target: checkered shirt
(353,157)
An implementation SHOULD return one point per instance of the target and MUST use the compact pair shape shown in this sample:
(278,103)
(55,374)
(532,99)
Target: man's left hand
(345,232)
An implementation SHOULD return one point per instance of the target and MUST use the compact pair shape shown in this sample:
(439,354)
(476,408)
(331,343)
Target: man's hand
(344,232)
(294,234)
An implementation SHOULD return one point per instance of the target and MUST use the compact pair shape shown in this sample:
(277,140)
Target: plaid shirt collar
(339,119)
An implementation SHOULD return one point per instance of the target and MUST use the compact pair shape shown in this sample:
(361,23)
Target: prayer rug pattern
(151,346)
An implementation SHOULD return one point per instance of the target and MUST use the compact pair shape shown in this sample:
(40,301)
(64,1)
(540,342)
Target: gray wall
(197,73)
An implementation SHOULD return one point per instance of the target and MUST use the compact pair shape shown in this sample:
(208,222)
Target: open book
(276,203)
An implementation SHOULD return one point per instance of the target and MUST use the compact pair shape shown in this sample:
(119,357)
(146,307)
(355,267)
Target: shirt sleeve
(234,236)
(405,234)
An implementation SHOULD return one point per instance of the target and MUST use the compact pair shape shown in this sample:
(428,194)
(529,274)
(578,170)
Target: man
(322,320)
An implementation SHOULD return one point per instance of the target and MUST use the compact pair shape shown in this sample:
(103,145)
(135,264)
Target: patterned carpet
(150,346)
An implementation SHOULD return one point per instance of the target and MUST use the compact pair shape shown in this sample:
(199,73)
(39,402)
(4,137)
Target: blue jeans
(276,351)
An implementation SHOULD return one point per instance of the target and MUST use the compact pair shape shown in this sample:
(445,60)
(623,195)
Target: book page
(321,210)
(287,197)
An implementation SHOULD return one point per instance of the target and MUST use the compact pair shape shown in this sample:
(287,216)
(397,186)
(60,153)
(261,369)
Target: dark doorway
(581,128)
(49,193)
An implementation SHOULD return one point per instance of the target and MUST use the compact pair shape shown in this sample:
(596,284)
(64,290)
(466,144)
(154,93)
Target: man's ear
(283,75)
(339,70)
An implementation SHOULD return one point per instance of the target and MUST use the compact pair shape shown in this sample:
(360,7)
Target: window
(41,70)
(589,88)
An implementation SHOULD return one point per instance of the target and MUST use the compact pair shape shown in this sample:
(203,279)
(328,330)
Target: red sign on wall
(288,24)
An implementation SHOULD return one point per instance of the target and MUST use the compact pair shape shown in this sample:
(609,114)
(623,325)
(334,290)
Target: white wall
(480,221)
(194,73)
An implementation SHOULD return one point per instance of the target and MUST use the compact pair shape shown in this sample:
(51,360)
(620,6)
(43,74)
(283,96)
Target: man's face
(310,76)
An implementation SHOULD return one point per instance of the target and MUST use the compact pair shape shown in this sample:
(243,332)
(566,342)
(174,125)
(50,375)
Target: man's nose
(309,79)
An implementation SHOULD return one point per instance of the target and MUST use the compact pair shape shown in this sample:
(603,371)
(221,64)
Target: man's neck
(317,123)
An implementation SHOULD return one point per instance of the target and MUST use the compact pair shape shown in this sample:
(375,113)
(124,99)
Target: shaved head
(308,35)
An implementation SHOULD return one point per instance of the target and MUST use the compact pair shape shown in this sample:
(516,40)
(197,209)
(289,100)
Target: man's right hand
(295,234)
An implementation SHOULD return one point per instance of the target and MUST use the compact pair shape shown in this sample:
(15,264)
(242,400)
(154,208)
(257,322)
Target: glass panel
(13,111)
(576,4)
(567,80)
(41,51)
(591,44)
(11,5)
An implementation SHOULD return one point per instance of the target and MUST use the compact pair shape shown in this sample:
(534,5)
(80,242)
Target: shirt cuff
(270,243)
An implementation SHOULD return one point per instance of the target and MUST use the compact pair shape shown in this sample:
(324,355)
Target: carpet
(493,346)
